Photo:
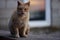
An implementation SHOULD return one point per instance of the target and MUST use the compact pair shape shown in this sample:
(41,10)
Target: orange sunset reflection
(37,5)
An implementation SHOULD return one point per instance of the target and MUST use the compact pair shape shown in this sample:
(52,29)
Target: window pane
(37,10)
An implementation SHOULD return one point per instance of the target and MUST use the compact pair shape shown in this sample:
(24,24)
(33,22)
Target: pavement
(35,34)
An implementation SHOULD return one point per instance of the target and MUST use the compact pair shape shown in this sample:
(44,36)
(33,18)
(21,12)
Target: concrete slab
(33,35)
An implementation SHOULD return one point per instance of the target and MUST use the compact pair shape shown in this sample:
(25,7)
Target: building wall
(8,6)
(6,10)
(56,13)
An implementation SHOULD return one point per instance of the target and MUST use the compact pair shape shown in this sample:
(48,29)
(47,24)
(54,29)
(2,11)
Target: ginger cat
(18,23)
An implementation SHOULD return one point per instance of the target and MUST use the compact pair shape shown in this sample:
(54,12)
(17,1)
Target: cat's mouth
(21,14)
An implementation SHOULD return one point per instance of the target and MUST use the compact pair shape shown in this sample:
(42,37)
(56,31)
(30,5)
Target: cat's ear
(19,3)
(28,3)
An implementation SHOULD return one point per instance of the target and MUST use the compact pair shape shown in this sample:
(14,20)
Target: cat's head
(22,8)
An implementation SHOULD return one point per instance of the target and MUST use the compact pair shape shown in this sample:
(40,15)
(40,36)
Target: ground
(35,34)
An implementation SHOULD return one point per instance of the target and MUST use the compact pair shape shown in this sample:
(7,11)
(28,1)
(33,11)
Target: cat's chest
(21,19)
(20,22)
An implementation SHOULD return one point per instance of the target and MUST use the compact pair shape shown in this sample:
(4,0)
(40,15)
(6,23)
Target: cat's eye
(20,8)
(25,9)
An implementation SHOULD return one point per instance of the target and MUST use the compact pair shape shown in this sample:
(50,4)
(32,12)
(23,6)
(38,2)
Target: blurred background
(37,11)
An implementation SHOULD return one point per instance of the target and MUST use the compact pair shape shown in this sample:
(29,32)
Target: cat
(18,23)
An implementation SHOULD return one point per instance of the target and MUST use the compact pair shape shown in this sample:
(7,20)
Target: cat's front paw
(23,36)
